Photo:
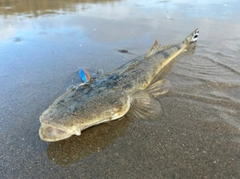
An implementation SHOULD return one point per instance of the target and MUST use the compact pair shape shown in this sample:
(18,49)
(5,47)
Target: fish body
(126,89)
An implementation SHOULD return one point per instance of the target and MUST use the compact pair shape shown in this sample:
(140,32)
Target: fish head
(77,110)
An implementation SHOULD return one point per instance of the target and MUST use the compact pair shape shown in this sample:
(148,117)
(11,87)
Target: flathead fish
(128,89)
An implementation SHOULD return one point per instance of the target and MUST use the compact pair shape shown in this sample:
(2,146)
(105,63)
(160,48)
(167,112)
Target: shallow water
(42,43)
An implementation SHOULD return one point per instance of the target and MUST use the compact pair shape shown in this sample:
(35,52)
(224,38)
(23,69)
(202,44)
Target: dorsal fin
(153,49)
(157,47)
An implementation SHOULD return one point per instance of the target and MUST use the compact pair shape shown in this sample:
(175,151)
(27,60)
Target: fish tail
(192,37)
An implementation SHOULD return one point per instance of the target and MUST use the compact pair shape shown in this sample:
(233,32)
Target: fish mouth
(51,134)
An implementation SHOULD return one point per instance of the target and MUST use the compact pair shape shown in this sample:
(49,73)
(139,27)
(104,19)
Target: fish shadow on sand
(92,140)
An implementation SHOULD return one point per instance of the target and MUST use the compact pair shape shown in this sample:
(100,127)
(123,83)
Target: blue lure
(84,76)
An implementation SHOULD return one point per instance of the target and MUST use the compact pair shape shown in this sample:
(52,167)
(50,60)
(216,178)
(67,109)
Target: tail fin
(192,37)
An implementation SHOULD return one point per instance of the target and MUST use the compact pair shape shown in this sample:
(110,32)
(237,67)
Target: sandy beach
(43,43)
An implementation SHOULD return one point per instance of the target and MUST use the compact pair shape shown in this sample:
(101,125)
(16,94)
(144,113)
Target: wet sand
(198,135)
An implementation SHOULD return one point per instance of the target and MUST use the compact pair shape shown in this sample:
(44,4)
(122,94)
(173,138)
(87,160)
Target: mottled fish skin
(109,97)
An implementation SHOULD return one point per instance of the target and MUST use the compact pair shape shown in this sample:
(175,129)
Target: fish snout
(51,134)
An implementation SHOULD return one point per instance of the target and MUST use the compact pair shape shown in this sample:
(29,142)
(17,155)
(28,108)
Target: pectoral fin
(158,88)
(144,107)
